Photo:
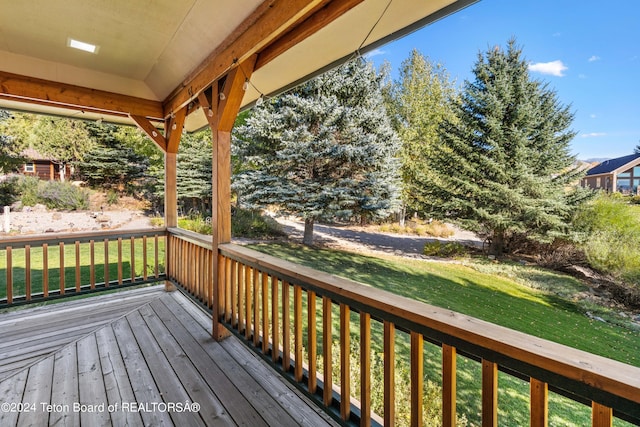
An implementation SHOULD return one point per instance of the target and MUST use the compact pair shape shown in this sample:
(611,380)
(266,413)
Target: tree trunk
(497,243)
(308,232)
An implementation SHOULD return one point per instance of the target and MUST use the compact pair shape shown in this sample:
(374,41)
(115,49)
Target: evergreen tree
(194,171)
(112,164)
(419,101)
(637,149)
(504,166)
(325,150)
(9,159)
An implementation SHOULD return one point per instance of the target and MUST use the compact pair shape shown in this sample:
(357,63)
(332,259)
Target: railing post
(170,212)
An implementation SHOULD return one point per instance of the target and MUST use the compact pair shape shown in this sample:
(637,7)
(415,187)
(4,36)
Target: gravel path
(373,242)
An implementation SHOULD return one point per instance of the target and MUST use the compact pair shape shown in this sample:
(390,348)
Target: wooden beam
(151,131)
(46,92)
(309,26)
(268,22)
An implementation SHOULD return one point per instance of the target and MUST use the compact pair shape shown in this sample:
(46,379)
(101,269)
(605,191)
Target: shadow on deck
(140,357)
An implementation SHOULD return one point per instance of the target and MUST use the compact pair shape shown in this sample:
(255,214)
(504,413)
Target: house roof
(153,58)
(612,165)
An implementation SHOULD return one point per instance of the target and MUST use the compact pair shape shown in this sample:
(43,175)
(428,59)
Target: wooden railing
(39,267)
(324,332)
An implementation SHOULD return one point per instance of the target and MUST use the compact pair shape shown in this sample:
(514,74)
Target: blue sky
(588,51)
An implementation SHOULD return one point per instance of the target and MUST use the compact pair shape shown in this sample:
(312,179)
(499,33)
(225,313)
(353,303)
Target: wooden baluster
(275,320)
(133,259)
(256,308)
(247,301)
(417,378)
(156,270)
(78,267)
(365,369)
(265,312)
(233,294)
(286,327)
(27,271)
(312,341)
(144,257)
(61,275)
(327,392)
(120,274)
(389,374)
(8,254)
(297,327)
(45,270)
(448,386)
(345,362)
(539,394)
(228,307)
(106,262)
(241,295)
(489,393)
(601,415)
(92,264)
(218,289)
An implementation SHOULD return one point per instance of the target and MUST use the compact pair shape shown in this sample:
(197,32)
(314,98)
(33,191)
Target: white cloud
(593,135)
(553,68)
(375,52)
(594,58)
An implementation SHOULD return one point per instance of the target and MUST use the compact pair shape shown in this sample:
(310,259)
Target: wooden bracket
(152,132)
(173,129)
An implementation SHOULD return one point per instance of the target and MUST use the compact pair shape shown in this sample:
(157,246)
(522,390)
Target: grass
(513,296)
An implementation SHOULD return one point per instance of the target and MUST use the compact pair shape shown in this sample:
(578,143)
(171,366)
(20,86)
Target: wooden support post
(601,416)
(170,208)
(448,385)
(221,112)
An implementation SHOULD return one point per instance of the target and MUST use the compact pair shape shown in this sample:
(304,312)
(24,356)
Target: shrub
(612,231)
(8,191)
(28,190)
(63,195)
(252,224)
(112,198)
(445,250)
(635,200)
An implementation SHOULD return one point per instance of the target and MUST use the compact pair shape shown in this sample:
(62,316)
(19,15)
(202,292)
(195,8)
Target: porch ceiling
(151,51)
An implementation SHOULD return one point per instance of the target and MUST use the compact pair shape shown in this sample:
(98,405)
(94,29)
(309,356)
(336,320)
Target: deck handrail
(129,251)
(258,294)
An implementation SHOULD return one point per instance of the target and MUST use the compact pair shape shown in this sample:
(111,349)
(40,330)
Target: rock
(103,218)
(56,216)
(39,208)
(16,206)
(49,230)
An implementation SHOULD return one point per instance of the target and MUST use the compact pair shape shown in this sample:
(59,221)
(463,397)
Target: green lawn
(509,295)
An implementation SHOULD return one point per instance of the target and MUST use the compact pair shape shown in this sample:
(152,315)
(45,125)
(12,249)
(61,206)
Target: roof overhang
(153,61)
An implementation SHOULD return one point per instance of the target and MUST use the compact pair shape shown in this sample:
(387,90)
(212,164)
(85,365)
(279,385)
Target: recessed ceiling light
(87,47)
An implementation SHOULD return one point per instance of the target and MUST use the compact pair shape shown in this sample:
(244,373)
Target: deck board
(153,349)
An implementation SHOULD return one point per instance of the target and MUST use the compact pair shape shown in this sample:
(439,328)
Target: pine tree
(324,151)
(9,159)
(419,101)
(194,171)
(111,164)
(504,166)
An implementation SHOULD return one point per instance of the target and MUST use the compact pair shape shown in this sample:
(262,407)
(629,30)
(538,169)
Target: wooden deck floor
(141,357)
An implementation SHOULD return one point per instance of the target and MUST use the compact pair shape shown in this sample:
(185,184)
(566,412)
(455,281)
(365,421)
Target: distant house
(615,175)
(41,166)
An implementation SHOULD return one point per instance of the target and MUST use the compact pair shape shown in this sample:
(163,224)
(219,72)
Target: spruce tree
(194,171)
(325,150)
(505,167)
